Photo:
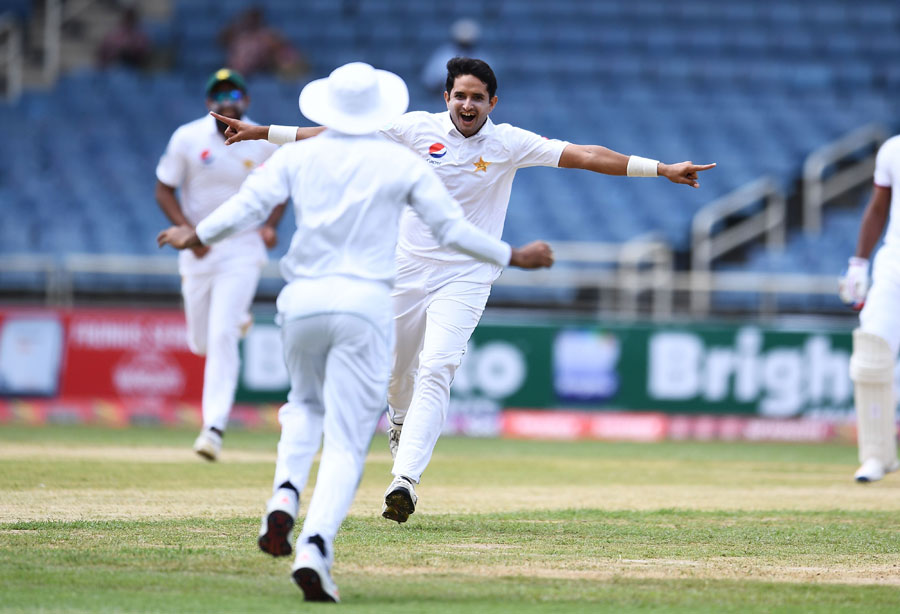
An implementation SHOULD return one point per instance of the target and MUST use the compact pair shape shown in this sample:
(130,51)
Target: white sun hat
(355,99)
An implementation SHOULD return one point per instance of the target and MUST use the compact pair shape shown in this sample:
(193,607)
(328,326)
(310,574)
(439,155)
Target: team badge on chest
(481,165)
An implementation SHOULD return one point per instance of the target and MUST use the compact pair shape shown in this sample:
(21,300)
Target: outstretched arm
(243,131)
(444,216)
(602,160)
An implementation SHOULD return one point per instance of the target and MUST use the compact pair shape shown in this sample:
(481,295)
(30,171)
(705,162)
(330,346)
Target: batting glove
(854,284)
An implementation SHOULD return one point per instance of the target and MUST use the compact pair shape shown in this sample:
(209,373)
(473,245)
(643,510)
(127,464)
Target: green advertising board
(715,368)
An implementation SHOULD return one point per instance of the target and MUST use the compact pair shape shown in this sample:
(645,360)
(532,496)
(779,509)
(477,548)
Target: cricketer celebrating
(349,188)
(876,341)
(217,283)
(440,295)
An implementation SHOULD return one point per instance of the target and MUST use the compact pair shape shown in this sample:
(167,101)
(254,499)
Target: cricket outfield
(104,520)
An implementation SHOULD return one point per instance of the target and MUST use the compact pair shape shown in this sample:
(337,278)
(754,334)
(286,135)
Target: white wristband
(641,167)
(279,135)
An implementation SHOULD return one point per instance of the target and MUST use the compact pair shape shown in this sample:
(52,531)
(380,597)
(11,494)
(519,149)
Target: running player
(217,283)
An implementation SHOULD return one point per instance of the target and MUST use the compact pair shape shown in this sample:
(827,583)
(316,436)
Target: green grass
(514,558)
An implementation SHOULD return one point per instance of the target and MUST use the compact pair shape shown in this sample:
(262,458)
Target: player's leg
(230,300)
(305,348)
(356,377)
(409,301)
(875,346)
(452,315)
(197,291)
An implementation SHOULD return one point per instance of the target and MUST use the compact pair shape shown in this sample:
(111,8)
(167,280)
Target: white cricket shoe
(312,574)
(399,500)
(394,438)
(873,470)
(208,444)
(278,522)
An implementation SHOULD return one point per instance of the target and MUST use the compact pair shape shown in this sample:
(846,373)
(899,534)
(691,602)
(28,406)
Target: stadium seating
(753,86)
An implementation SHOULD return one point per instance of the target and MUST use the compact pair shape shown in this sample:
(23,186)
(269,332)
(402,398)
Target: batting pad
(872,372)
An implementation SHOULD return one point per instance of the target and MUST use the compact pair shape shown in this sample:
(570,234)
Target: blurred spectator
(252,47)
(465,34)
(127,44)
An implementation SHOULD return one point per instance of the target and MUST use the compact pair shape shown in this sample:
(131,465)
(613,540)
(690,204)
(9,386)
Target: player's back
(348,194)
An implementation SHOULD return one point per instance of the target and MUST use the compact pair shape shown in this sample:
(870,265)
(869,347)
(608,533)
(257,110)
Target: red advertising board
(129,354)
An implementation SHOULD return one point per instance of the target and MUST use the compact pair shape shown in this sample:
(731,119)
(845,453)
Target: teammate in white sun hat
(440,295)
(350,188)
(217,283)
(876,341)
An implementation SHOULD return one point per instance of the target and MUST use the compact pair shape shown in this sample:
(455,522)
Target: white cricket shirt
(348,194)
(208,173)
(887,175)
(478,171)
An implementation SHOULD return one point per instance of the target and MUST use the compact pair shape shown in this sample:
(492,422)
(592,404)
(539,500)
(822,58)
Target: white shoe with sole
(873,470)
(208,444)
(399,500)
(278,522)
(312,574)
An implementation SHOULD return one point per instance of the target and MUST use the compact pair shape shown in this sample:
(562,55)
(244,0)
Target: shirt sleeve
(444,216)
(397,131)
(172,167)
(266,187)
(887,156)
(530,149)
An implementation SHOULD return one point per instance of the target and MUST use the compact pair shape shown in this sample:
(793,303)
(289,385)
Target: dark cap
(226,74)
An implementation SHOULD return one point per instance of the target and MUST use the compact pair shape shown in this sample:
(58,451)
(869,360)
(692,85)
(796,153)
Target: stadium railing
(12,59)
(57,14)
(836,168)
(770,290)
(627,270)
(732,221)
(632,279)
(621,273)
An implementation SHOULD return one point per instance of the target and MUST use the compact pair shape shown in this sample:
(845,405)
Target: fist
(269,236)
(535,255)
(854,284)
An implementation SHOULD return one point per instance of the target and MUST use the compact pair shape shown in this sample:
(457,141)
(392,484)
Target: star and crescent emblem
(481,165)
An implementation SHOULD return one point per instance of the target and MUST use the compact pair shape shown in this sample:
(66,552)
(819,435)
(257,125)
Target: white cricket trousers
(881,313)
(216,306)
(338,340)
(434,316)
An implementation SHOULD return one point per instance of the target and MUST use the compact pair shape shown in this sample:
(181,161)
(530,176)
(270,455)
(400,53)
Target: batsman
(876,341)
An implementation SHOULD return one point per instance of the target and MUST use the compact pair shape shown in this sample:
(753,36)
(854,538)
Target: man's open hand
(535,255)
(179,237)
